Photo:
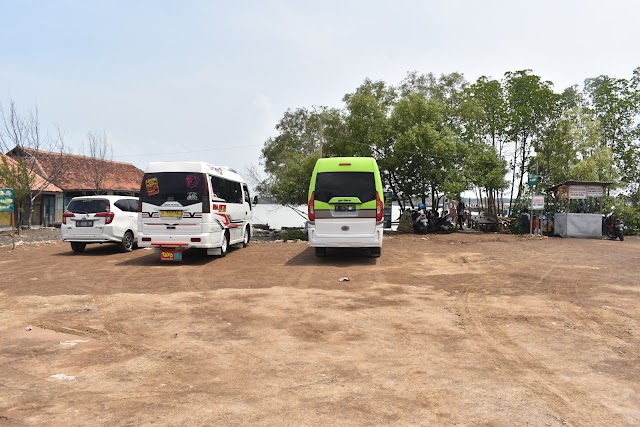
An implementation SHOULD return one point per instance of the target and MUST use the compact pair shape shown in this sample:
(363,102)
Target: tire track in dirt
(572,405)
(580,315)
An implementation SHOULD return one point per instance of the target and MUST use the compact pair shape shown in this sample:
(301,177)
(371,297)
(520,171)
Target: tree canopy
(436,136)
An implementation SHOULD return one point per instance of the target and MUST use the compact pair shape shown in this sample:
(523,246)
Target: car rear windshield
(182,187)
(88,205)
(345,184)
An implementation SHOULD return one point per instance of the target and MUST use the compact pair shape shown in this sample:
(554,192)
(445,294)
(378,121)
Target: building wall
(5,219)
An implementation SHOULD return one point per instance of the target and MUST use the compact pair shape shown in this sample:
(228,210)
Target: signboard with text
(537,203)
(577,191)
(595,191)
(6,200)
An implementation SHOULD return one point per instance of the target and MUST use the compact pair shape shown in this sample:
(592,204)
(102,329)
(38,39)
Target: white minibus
(193,205)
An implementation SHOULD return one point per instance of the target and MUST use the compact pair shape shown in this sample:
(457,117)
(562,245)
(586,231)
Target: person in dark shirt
(461,208)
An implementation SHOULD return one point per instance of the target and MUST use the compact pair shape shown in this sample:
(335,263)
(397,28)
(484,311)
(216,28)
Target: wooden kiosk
(579,208)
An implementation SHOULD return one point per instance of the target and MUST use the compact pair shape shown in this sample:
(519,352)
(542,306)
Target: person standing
(452,211)
(461,207)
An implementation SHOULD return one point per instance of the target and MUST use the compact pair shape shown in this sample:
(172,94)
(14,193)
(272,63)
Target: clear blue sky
(208,80)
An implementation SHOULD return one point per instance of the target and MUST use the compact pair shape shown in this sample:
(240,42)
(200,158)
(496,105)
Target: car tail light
(108,216)
(67,215)
(196,239)
(310,208)
(379,207)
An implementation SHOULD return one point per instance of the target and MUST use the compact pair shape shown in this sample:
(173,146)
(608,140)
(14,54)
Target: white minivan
(193,205)
(101,219)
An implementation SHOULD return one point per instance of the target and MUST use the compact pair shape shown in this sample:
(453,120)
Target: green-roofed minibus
(345,204)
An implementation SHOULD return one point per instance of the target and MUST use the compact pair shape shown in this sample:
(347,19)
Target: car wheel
(247,237)
(224,245)
(78,247)
(127,242)
(375,252)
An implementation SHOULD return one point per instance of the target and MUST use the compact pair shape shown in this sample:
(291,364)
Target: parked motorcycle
(443,223)
(419,219)
(613,227)
(426,221)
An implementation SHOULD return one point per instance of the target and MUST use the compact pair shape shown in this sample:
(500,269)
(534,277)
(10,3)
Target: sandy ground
(468,329)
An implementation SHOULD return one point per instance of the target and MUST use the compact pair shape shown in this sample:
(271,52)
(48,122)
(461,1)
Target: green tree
(429,156)
(484,112)
(530,104)
(290,156)
(615,104)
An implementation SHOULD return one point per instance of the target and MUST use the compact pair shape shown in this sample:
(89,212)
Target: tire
(375,252)
(247,236)
(321,252)
(621,235)
(78,247)
(224,245)
(127,242)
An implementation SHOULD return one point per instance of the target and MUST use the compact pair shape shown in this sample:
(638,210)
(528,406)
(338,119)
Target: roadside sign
(534,179)
(537,203)
(6,200)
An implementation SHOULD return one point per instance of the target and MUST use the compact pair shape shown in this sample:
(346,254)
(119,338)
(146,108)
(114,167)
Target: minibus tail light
(206,206)
(312,213)
(379,207)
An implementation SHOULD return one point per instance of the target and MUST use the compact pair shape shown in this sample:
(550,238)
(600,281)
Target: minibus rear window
(345,184)
(182,187)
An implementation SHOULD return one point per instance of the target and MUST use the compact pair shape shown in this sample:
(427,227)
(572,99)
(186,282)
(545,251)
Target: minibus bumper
(345,241)
(204,241)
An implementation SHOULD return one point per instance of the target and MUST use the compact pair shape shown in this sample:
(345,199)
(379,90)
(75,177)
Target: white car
(101,219)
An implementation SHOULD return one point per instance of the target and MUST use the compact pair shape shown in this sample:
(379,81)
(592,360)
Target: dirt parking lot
(468,329)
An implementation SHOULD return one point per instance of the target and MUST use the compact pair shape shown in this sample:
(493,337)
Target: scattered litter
(424,238)
(87,309)
(71,343)
(28,328)
(345,279)
(63,377)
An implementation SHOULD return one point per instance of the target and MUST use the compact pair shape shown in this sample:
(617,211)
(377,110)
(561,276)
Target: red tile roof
(39,183)
(79,172)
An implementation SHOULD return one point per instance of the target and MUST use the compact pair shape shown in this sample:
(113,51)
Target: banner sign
(6,200)
(577,192)
(595,191)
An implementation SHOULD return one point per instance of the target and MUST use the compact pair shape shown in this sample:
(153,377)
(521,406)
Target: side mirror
(255,200)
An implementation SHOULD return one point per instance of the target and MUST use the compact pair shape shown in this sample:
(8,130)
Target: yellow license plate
(170,214)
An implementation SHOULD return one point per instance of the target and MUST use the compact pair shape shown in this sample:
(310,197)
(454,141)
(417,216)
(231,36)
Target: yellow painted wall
(5,218)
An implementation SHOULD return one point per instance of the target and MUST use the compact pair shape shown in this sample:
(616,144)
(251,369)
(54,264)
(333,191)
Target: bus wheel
(247,237)
(224,246)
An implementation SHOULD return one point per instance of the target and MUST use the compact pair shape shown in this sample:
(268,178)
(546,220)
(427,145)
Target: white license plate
(84,223)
